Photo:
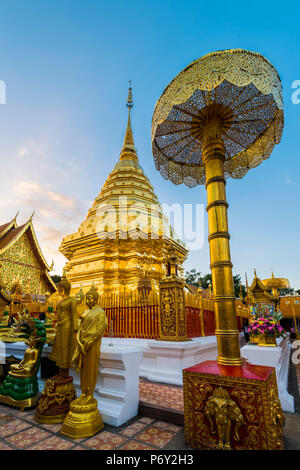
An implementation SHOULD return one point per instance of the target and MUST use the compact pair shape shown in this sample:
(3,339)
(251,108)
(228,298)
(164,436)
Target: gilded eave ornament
(240,86)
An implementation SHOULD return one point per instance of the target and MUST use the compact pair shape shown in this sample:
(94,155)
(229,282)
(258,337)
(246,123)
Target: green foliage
(287,291)
(56,278)
(193,277)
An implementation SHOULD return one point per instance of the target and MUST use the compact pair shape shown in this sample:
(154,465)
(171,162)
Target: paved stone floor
(18,430)
(168,396)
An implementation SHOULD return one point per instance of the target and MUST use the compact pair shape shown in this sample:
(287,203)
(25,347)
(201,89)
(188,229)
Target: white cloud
(23,151)
(288,180)
(45,184)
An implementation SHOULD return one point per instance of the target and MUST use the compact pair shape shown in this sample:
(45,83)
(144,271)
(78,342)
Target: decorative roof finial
(129,102)
(31,217)
(15,217)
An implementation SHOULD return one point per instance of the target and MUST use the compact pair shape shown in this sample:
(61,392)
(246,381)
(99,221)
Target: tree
(287,291)
(193,277)
(56,278)
(237,285)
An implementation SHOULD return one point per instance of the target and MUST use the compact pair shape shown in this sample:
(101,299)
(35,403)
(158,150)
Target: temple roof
(276,282)
(10,233)
(258,286)
(6,227)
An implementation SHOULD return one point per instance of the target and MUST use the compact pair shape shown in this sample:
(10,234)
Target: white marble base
(279,358)
(117,389)
(163,361)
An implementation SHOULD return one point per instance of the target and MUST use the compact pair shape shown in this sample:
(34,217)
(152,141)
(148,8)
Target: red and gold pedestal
(55,400)
(232,407)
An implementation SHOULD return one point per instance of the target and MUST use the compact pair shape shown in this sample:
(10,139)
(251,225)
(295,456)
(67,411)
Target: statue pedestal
(83,419)
(278,357)
(55,400)
(117,389)
(232,407)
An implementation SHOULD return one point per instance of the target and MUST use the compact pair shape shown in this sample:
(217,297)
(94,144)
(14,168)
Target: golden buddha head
(33,340)
(79,297)
(92,297)
(64,287)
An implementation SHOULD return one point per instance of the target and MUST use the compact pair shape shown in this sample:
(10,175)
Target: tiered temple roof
(22,260)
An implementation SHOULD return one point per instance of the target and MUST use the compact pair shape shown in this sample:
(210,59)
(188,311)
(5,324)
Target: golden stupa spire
(128,151)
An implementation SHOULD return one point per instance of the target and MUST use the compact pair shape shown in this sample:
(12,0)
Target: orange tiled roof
(9,236)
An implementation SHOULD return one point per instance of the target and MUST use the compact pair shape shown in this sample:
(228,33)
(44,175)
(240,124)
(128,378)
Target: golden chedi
(125,221)
(83,419)
(59,390)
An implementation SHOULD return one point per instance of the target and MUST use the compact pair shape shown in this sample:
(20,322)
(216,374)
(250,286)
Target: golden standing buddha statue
(83,419)
(80,302)
(59,390)
(66,329)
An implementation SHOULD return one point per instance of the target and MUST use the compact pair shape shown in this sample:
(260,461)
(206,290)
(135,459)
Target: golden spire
(128,151)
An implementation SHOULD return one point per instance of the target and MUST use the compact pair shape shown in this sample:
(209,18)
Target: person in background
(246,331)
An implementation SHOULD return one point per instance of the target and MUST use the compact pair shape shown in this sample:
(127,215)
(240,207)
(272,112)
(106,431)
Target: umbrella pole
(221,267)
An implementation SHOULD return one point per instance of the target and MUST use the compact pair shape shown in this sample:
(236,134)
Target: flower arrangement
(264,327)
(263,311)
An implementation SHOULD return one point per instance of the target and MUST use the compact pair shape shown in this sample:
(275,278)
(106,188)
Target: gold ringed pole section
(221,267)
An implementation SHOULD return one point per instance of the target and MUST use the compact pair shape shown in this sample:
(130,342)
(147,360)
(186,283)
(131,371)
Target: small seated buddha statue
(28,366)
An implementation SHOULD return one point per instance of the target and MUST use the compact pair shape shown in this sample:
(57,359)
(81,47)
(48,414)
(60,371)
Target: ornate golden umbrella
(221,116)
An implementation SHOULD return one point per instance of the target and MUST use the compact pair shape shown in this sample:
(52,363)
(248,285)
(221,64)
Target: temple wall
(28,271)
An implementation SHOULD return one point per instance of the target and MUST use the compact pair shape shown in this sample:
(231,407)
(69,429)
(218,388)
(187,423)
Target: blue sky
(66,65)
